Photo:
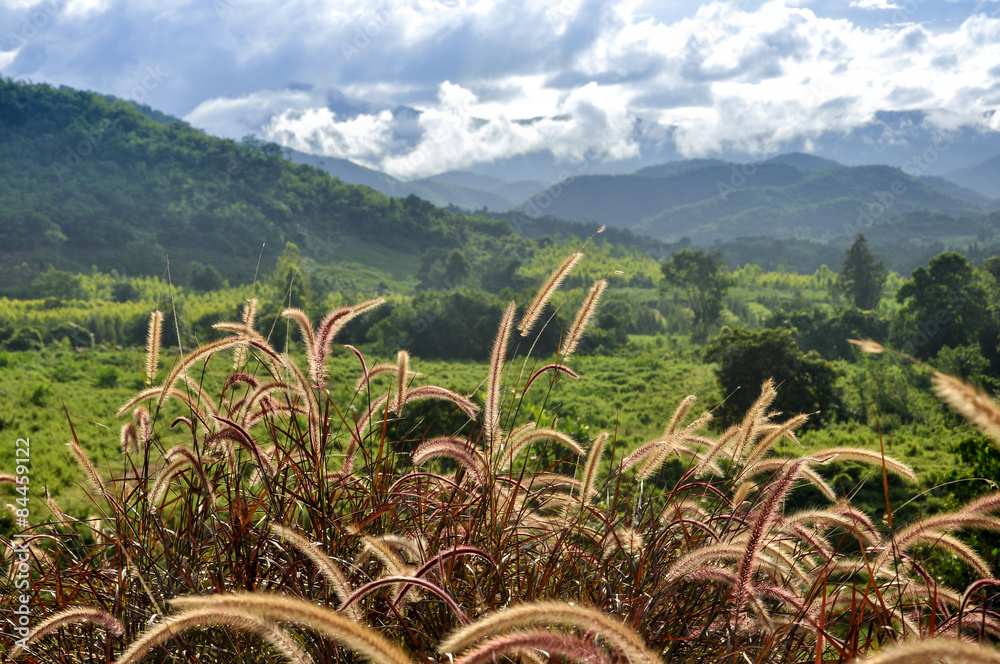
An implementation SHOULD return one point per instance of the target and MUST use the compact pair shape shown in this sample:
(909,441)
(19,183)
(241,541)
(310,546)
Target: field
(613,473)
(629,395)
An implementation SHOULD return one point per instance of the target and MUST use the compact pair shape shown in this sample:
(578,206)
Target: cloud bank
(422,86)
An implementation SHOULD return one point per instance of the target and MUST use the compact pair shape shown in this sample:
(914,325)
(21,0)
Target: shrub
(25,338)
(203,278)
(106,377)
(747,358)
(39,394)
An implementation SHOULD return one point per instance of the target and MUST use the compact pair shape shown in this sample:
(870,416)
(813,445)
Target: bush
(747,359)
(25,338)
(203,278)
(123,291)
(39,394)
(106,377)
(77,335)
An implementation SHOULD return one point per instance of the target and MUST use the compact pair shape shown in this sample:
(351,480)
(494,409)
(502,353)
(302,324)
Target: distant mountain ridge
(468,191)
(86,180)
(795,195)
(982,178)
(790,195)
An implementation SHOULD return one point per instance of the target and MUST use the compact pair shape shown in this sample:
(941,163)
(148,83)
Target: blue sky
(419,87)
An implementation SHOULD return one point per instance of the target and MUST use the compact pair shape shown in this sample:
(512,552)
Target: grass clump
(270,519)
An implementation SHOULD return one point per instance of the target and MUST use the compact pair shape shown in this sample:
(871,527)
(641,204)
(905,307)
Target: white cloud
(588,123)
(318,131)
(234,118)
(7,58)
(493,79)
(875,4)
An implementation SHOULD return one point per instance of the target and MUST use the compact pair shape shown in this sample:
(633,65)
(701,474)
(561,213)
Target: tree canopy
(701,278)
(944,304)
(862,277)
(806,382)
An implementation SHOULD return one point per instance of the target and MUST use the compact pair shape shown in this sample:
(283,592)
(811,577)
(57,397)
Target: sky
(419,87)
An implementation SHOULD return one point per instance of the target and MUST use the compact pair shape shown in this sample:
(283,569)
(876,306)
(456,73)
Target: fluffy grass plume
(945,651)
(174,626)
(154,336)
(589,482)
(706,565)
(494,400)
(582,319)
(971,403)
(364,640)
(88,468)
(549,614)
(566,646)
(331,571)
(73,616)
(402,380)
(555,280)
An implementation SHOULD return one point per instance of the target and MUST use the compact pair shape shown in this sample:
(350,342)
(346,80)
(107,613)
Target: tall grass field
(322,506)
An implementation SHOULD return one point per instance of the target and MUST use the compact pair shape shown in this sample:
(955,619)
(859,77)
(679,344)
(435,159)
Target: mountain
(628,200)
(954,190)
(982,178)
(794,195)
(468,191)
(520,190)
(87,181)
(470,180)
(347,171)
(805,162)
(445,193)
(675,167)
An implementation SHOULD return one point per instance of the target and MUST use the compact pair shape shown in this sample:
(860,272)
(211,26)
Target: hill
(961,193)
(87,181)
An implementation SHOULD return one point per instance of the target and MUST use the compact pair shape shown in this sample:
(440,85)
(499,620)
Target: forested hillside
(84,181)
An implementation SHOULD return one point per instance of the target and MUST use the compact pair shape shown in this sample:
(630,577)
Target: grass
(330,525)
(627,395)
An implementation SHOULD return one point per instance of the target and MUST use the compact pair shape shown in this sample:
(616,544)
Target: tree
(805,381)
(861,277)
(291,280)
(443,271)
(701,277)
(59,285)
(944,304)
(124,291)
(204,278)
